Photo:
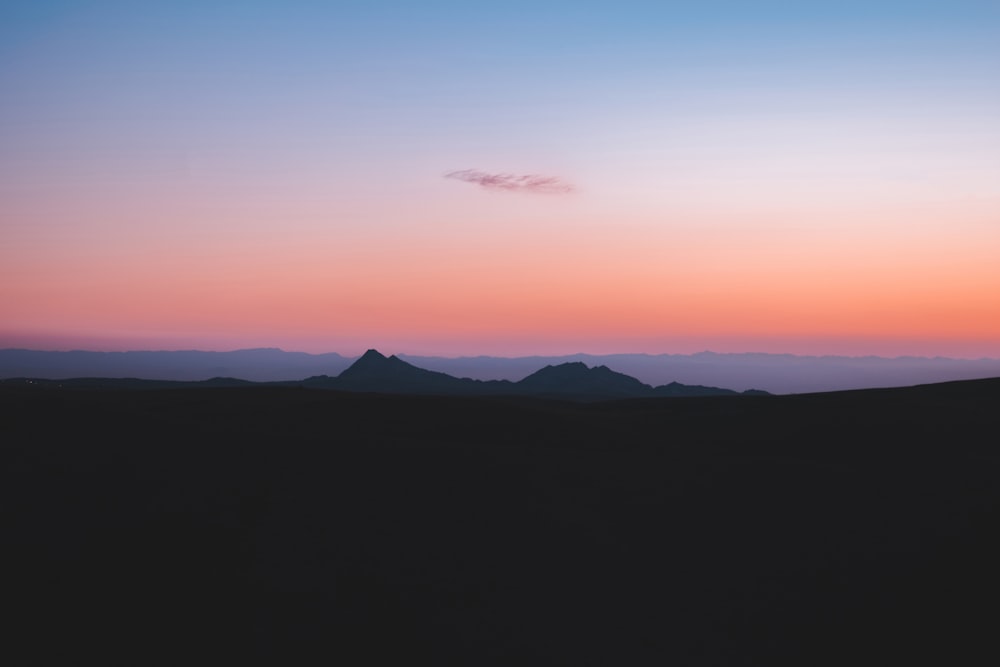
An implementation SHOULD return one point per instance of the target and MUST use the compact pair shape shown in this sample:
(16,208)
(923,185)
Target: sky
(464,178)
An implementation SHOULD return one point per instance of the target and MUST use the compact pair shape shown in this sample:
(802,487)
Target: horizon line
(501,356)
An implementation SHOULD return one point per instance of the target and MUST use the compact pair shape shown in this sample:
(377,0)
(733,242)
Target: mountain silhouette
(678,389)
(775,373)
(374,367)
(576,379)
(374,372)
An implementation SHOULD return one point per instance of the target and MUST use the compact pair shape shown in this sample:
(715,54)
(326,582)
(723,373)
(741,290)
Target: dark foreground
(290,526)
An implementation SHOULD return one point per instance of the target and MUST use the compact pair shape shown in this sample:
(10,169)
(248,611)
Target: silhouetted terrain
(374,372)
(776,373)
(280,525)
(257,365)
(574,381)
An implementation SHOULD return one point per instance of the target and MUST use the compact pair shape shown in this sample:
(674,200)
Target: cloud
(548,185)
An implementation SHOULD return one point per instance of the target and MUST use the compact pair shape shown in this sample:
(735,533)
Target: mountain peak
(368,363)
(567,369)
(374,371)
(575,377)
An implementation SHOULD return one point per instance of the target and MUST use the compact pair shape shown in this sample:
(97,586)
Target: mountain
(374,372)
(775,373)
(576,379)
(678,389)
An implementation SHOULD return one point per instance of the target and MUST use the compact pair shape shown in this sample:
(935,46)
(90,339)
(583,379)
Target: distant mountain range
(775,373)
(258,365)
(374,372)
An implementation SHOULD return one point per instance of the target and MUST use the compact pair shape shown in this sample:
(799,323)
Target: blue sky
(716,137)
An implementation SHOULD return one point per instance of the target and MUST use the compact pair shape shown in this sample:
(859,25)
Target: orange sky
(163,185)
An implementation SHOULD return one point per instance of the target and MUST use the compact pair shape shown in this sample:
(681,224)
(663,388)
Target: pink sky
(162,190)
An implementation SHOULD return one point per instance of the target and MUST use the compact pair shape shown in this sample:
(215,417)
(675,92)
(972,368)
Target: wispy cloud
(534,183)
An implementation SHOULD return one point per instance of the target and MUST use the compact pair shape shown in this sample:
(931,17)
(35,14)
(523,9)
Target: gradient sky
(805,177)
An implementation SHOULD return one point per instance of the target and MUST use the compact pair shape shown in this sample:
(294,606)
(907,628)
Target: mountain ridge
(373,372)
(775,373)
